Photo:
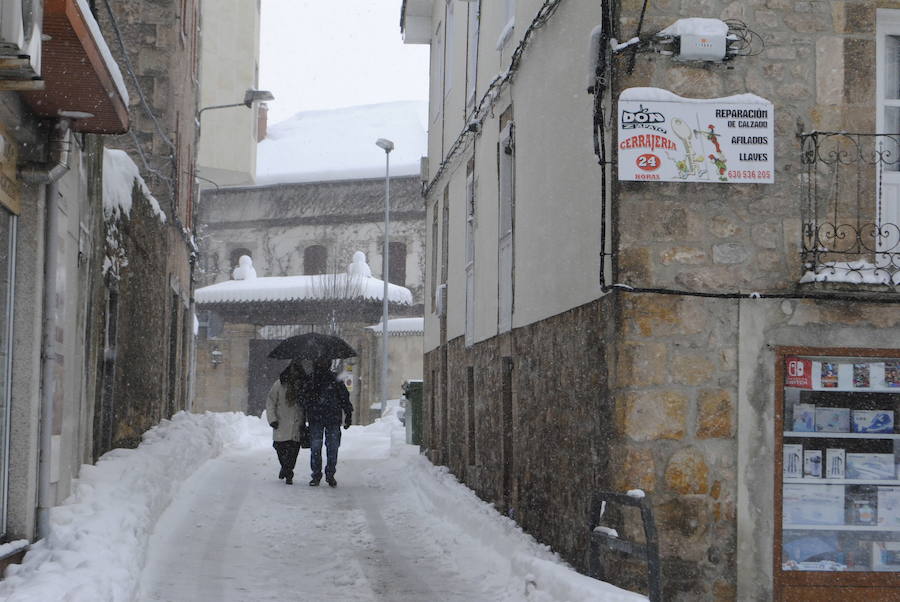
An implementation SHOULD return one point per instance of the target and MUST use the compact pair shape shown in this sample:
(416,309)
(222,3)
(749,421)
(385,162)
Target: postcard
(835,463)
(832,420)
(829,375)
(861,376)
(805,418)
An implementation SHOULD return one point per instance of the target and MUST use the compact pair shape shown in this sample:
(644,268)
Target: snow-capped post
(387,146)
(604,538)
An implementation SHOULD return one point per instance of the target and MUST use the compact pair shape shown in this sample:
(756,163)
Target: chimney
(262,121)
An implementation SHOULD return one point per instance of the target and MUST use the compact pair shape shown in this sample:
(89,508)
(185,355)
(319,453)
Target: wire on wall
(494,89)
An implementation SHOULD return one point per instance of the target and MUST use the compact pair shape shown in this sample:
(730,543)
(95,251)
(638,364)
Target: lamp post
(250,96)
(387,146)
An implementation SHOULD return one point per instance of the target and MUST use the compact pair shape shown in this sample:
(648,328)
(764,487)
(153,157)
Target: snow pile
(245,269)
(108,60)
(531,571)
(353,284)
(851,272)
(119,177)
(660,95)
(340,144)
(400,326)
(698,26)
(99,535)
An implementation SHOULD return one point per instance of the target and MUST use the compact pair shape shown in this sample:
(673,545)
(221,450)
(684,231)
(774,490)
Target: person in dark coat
(327,403)
(287,418)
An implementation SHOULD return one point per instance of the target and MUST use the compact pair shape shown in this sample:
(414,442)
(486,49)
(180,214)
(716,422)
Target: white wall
(557,242)
(229,59)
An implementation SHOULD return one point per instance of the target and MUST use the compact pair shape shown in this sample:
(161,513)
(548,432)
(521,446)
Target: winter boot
(314,482)
(330,480)
(281,473)
(289,480)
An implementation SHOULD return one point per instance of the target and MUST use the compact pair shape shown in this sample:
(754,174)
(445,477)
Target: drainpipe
(48,174)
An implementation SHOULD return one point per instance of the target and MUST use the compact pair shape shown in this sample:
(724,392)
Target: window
(507,31)
(445,236)
(434,254)
(506,162)
(7,287)
(450,49)
(470,253)
(438,57)
(315,259)
(887,121)
(474,26)
(397,263)
(837,497)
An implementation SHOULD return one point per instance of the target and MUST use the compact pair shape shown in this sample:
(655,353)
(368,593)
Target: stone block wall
(817,66)
(560,429)
(675,386)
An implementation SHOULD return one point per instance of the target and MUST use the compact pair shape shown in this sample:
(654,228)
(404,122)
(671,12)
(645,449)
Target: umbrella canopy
(312,346)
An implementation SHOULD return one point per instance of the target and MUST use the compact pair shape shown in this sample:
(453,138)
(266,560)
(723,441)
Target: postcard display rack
(840,485)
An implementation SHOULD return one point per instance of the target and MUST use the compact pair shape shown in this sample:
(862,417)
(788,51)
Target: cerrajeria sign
(666,138)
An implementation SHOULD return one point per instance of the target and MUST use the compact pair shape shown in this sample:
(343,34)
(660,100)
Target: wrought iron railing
(851,208)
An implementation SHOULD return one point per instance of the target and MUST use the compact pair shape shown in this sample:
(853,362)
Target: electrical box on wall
(694,47)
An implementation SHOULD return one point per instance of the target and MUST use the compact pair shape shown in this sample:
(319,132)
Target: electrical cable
(497,85)
(137,84)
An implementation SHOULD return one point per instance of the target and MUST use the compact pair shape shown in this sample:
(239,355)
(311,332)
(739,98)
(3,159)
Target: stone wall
(675,391)
(560,433)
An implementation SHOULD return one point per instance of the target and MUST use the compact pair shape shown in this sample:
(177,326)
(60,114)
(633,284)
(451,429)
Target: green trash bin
(412,389)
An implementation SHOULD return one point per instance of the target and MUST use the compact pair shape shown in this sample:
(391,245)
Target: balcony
(851,209)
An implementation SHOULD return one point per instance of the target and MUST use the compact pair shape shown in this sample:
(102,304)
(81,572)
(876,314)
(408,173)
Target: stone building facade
(84,242)
(157,43)
(588,333)
(294,229)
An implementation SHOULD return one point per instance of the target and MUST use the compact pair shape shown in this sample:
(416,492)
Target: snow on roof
(111,64)
(660,95)
(401,326)
(119,176)
(354,284)
(339,144)
(698,26)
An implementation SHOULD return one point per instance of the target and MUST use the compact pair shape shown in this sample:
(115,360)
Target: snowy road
(196,514)
(236,533)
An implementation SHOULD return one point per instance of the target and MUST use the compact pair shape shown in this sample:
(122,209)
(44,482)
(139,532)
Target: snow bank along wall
(671,393)
(71,385)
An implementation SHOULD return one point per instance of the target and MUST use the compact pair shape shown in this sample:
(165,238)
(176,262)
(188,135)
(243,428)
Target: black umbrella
(312,346)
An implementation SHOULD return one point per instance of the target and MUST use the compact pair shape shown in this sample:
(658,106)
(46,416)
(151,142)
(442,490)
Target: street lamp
(250,96)
(387,146)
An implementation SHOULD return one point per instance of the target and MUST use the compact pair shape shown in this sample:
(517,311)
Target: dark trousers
(332,437)
(287,456)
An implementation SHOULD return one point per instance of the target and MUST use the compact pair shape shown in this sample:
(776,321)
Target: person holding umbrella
(327,403)
(287,418)
(325,399)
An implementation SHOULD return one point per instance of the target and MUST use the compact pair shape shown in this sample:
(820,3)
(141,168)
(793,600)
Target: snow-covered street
(396,529)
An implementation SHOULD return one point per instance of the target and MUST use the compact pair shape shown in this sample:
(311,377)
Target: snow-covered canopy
(356,283)
(698,26)
(401,326)
(339,144)
(660,95)
(108,60)
(119,177)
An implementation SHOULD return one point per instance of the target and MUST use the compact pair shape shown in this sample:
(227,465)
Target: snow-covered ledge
(356,283)
(851,272)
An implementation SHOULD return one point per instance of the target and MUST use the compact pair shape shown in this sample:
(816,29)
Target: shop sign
(666,138)
(799,373)
(10,191)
